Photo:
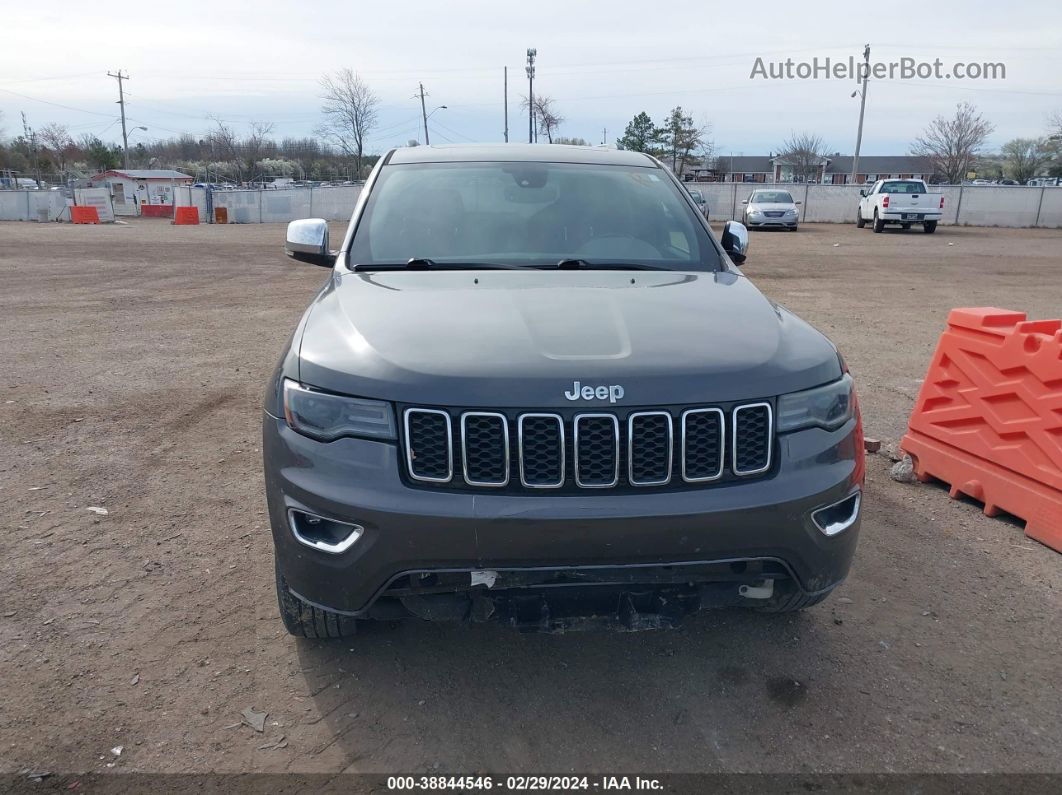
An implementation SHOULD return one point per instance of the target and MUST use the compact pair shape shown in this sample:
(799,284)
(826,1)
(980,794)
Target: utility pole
(121,101)
(530,69)
(424,115)
(604,135)
(506,94)
(862,107)
(31,141)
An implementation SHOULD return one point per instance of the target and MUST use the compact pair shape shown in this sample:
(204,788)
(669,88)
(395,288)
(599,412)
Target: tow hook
(762,591)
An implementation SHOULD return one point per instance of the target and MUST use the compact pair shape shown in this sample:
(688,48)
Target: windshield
(896,186)
(772,197)
(530,214)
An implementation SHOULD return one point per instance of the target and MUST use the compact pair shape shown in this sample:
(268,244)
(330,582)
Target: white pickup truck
(900,201)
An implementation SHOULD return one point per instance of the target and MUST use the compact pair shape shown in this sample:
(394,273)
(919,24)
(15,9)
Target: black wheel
(879,225)
(306,621)
(791,601)
(906,226)
(929,227)
(792,228)
(860,222)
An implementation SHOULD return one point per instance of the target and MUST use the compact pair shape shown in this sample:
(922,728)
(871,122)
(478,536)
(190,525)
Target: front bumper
(763,221)
(422,530)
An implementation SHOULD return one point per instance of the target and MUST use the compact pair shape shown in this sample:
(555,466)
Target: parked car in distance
(535,388)
(698,199)
(771,208)
(900,201)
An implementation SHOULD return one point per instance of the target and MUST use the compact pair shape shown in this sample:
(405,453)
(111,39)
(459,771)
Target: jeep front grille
(572,451)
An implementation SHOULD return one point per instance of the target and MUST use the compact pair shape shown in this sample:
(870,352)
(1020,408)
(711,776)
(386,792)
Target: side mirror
(307,241)
(862,193)
(735,241)
(744,201)
(798,202)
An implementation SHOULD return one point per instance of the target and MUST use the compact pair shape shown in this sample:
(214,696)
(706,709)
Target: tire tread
(306,621)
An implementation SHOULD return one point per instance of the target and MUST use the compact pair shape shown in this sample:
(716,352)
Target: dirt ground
(134,360)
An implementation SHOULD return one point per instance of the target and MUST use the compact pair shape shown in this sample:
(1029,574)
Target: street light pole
(862,108)
(530,69)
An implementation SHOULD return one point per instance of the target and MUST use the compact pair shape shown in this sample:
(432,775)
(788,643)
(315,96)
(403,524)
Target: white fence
(272,206)
(51,205)
(968,205)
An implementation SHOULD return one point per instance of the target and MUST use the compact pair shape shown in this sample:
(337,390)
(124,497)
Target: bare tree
(1025,158)
(225,147)
(804,153)
(1054,122)
(254,146)
(546,117)
(953,145)
(56,139)
(350,113)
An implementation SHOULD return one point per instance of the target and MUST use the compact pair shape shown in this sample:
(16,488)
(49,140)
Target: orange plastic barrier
(988,419)
(185,215)
(221,215)
(84,215)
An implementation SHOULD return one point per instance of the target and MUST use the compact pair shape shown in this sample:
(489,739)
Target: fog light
(326,535)
(837,518)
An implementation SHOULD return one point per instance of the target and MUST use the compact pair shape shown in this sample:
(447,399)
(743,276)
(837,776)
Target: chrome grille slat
(584,476)
(628,449)
(430,453)
(746,461)
(704,437)
(532,471)
(480,460)
(637,459)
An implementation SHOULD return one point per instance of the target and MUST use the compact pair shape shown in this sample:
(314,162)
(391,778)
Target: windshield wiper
(423,264)
(583,264)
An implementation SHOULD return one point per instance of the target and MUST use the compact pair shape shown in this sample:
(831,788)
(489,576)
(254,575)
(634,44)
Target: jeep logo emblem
(612,393)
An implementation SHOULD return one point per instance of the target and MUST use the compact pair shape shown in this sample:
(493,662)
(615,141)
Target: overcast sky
(602,62)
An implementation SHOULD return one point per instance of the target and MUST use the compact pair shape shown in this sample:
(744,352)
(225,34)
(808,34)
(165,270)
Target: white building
(141,191)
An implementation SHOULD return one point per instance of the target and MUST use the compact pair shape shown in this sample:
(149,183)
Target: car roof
(526,153)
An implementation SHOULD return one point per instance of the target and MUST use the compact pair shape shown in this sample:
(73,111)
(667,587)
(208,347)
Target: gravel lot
(134,359)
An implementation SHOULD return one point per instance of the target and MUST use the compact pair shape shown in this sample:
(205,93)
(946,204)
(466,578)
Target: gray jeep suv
(535,388)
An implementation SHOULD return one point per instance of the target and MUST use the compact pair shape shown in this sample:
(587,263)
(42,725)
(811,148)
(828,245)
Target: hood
(524,338)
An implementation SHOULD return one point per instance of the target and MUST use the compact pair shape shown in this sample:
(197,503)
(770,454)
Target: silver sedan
(771,208)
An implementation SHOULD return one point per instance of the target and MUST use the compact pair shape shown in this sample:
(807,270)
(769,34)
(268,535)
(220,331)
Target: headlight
(790,212)
(754,211)
(326,417)
(829,407)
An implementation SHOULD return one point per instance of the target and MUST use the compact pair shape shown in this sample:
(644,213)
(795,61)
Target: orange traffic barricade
(84,215)
(185,215)
(221,215)
(988,419)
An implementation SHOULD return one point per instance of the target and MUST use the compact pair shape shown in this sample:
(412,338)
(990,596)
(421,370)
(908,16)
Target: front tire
(860,221)
(793,228)
(879,225)
(306,621)
(929,227)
